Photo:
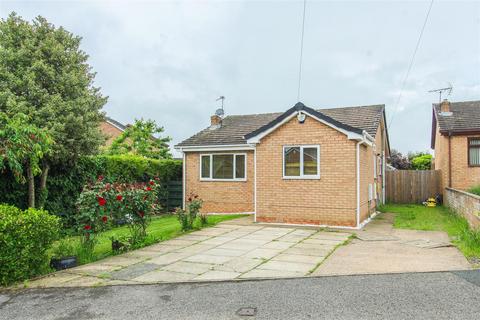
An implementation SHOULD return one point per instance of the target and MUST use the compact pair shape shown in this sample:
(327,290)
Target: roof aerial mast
(441,90)
(220,111)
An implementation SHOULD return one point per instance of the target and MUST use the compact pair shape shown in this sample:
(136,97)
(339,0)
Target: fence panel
(412,186)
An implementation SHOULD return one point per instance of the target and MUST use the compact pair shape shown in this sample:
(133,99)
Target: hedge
(65,182)
(25,237)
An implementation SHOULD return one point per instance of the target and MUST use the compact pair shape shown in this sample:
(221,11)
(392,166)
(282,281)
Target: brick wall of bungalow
(330,200)
(463,176)
(220,196)
(110,131)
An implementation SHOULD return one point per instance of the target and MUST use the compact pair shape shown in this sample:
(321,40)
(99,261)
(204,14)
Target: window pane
(475,142)
(223,166)
(310,156)
(240,166)
(474,156)
(292,161)
(205,166)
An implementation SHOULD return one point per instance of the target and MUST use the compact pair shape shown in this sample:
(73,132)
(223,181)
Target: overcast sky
(170,60)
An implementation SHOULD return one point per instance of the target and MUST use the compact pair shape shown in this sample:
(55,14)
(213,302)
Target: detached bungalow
(303,166)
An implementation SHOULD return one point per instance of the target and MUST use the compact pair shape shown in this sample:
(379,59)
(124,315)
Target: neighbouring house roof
(116,124)
(236,129)
(464,119)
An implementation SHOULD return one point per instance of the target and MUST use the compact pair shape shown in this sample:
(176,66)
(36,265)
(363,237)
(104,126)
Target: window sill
(223,180)
(302,178)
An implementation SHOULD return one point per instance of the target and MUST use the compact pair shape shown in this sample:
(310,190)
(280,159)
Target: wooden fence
(412,186)
(173,196)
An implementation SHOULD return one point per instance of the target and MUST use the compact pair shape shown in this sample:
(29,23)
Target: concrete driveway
(236,249)
(379,248)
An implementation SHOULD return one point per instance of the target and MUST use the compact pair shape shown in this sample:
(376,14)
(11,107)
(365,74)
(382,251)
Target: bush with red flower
(102,204)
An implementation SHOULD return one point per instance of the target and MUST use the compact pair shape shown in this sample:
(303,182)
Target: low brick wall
(464,203)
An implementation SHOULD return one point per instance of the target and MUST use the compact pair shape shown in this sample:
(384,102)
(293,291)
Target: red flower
(141,214)
(101,201)
(87,227)
(100,178)
(152,183)
(119,197)
(149,189)
(32,136)
(104,219)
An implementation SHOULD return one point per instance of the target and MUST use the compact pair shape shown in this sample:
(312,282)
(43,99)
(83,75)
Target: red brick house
(303,166)
(456,141)
(111,129)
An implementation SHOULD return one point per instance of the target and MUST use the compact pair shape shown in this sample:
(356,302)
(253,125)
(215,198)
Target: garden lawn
(439,218)
(160,229)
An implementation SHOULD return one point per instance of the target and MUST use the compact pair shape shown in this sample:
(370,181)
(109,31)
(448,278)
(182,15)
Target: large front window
(223,167)
(474,152)
(301,162)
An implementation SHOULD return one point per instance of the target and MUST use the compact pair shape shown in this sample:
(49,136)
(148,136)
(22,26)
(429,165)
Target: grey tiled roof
(465,117)
(235,127)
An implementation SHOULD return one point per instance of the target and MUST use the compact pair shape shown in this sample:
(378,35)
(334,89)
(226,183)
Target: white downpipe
(184,180)
(384,163)
(358,183)
(255,184)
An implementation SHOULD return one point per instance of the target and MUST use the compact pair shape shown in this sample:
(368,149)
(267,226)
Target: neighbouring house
(302,166)
(456,141)
(111,129)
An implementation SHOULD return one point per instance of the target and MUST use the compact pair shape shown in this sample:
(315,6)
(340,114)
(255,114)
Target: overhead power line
(410,65)
(301,51)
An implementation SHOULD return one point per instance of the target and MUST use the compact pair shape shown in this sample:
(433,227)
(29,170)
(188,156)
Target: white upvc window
(223,167)
(301,162)
(374,165)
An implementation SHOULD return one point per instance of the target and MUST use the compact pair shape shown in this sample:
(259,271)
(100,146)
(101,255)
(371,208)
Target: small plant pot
(63,263)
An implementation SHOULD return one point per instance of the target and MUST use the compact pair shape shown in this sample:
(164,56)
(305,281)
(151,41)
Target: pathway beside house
(379,248)
(236,249)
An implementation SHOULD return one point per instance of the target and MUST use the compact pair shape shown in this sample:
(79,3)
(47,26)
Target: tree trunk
(43,194)
(31,187)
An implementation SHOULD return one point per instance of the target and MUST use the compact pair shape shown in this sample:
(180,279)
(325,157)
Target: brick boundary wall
(465,204)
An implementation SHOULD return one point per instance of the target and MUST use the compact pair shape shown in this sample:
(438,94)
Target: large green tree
(45,75)
(143,138)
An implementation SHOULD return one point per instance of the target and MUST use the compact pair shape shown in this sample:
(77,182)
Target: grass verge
(418,217)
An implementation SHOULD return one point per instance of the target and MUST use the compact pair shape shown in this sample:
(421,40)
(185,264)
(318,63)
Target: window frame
(472,147)
(301,176)
(210,178)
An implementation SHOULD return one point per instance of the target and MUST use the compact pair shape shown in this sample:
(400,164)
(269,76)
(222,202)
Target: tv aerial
(441,90)
(220,111)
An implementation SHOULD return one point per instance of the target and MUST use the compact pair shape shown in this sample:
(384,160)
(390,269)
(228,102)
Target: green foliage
(439,218)
(187,218)
(422,162)
(45,75)
(102,204)
(64,248)
(22,144)
(67,180)
(25,237)
(140,139)
(475,190)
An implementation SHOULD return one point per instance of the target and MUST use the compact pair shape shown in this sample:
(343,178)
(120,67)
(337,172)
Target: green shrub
(475,190)
(66,181)
(25,237)
(188,217)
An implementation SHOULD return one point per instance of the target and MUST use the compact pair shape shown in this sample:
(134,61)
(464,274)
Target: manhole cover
(247,312)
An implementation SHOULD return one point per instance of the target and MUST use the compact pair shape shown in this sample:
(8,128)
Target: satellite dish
(219,112)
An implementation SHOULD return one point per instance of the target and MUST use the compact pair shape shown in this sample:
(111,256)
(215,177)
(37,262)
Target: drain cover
(247,312)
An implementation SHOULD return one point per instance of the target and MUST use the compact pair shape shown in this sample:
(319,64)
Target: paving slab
(330,242)
(225,252)
(210,259)
(180,242)
(121,261)
(288,266)
(218,240)
(196,248)
(54,280)
(317,252)
(277,245)
(262,253)
(298,258)
(188,267)
(134,271)
(94,269)
(163,276)
(217,275)
(195,237)
(169,258)
(265,273)
(240,265)
(331,235)
(85,282)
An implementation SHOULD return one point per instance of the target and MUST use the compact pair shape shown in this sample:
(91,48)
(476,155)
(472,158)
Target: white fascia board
(216,148)
(350,135)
